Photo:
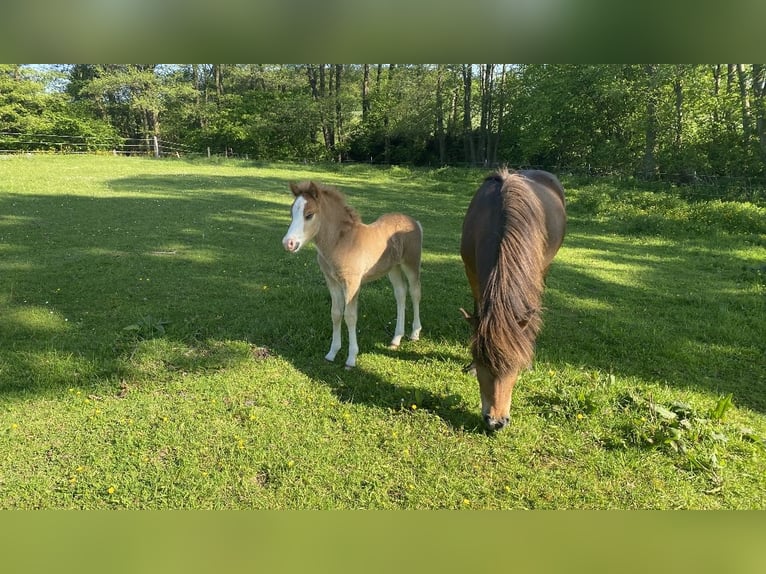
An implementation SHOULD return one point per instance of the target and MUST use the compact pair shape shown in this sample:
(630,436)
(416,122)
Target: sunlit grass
(159,349)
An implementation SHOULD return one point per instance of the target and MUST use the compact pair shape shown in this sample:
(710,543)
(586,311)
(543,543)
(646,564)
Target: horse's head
(305,223)
(495,389)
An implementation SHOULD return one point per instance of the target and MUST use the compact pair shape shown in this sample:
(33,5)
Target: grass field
(159,349)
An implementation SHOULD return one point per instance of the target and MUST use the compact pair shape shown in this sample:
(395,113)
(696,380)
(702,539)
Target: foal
(351,253)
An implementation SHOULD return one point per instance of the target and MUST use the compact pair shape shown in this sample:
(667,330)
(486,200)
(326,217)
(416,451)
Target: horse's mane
(510,314)
(332,195)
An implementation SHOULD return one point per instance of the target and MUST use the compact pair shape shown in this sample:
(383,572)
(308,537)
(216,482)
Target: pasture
(160,349)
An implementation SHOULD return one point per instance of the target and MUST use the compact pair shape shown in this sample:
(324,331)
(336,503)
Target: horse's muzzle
(292,245)
(494,424)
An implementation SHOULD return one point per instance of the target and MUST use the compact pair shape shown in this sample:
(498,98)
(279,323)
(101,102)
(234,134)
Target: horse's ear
(312,190)
(472,321)
(294,188)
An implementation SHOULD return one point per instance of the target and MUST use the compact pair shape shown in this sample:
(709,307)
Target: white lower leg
(337,318)
(400,293)
(414,281)
(353,347)
(336,341)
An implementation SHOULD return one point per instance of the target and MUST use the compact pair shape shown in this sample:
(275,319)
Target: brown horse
(351,253)
(514,226)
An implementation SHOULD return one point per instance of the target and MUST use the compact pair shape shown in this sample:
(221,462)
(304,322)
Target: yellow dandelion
(252,416)
(111,489)
(414,407)
(290,464)
(507,488)
(580,416)
(14,426)
(552,373)
(79,468)
(466,502)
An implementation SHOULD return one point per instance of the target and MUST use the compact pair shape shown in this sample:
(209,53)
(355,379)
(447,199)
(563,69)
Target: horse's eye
(309,216)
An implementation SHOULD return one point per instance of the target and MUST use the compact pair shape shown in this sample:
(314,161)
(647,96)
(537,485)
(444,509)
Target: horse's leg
(338,303)
(400,293)
(350,315)
(413,278)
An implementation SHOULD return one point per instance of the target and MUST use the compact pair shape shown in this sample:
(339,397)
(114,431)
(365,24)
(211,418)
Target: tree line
(649,120)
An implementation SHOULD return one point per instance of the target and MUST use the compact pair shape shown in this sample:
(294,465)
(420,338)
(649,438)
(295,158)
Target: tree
(33,117)
(135,95)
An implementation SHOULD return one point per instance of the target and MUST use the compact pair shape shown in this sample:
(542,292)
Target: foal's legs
(350,314)
(400,293)
(338,304)
(413,278)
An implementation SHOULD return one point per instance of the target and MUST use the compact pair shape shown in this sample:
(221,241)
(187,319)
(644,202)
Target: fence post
(156,146)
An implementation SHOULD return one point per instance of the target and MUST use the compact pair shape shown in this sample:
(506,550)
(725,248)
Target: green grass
(159,349)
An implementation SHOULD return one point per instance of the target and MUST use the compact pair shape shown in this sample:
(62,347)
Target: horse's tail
(510,314)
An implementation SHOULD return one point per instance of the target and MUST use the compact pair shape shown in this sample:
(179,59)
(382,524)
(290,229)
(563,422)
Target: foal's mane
(328,195)
(510,314)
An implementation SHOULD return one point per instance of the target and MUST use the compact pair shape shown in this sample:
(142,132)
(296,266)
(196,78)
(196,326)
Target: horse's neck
(334,229)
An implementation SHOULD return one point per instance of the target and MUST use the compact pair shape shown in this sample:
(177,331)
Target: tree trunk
(440,115)
(500,113)
(218,73)
(338,143)
(744,96)
(316,77)
(716,92)
(365,93)
(678,89)
(650,165)
(759,103)
(470,149)
(386,121)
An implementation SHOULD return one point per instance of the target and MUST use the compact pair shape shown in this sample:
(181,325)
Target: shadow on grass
(203,253)
(196,256)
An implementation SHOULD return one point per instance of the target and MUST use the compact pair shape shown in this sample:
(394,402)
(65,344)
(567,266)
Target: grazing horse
(514,226)
(351,253)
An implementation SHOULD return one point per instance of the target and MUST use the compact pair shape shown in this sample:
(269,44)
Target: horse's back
(550,192)
(485,218)
(480,236)
(392,239)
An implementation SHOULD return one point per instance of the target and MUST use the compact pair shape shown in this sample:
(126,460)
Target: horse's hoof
(349,367)
(393,347)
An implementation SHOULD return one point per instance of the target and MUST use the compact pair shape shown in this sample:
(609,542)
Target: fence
(15,142)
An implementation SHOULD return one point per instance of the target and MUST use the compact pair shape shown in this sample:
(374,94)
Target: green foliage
(674,122)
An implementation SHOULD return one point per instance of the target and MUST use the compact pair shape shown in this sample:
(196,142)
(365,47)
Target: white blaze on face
(296,234)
